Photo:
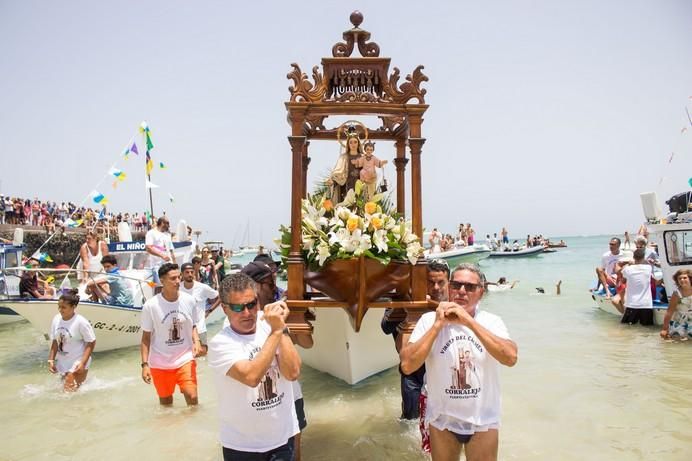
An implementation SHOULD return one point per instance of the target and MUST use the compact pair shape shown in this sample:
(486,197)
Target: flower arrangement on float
(352,228)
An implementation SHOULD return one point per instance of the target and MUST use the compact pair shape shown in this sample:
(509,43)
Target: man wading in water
(461,347)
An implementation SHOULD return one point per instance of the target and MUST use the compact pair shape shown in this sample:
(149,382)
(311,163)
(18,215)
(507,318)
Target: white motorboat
(673,237)
(116,326)
(469,254)
(606,305)
(526,251)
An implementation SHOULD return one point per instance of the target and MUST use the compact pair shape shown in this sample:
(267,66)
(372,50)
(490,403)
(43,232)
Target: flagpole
(151,200)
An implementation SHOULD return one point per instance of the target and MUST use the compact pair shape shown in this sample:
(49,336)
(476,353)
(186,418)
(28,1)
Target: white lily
(412,252)
(322,253)
(380,240)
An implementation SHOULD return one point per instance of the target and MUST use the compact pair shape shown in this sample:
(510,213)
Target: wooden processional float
(356,86)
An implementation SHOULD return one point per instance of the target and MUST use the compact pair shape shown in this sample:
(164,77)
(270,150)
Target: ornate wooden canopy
(349,85)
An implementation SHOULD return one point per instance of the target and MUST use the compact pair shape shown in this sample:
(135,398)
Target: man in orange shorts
(170,341)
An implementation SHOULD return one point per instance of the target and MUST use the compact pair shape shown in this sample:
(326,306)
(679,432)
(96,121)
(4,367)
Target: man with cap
(202,294)
(274,266)
(268,292)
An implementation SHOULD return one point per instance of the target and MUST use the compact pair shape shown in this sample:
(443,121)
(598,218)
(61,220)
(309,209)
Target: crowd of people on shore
(53,216)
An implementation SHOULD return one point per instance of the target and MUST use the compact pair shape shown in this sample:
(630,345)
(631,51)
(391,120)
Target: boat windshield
(131,260)
(678,247)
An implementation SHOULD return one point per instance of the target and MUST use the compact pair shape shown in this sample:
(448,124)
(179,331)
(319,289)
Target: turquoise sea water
(585,387)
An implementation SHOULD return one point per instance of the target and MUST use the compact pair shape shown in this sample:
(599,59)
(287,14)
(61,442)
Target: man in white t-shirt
(159,245)
(254,362)
(170,341)
(201,292)
(606,271)
(637,294)
(462,348)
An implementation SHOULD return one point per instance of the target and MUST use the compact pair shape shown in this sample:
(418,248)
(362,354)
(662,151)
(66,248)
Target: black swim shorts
(642,316)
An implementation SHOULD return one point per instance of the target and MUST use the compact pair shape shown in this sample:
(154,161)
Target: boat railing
(140,288)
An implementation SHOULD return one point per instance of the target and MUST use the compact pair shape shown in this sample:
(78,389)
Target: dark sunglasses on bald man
(469,287)
(238,308)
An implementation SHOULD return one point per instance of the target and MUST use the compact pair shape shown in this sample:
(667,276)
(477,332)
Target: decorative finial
(356,18)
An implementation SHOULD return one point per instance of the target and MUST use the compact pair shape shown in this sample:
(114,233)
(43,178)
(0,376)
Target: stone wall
(63,248)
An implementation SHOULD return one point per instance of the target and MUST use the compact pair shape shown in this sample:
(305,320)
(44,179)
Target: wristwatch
(145,364)
(286,331)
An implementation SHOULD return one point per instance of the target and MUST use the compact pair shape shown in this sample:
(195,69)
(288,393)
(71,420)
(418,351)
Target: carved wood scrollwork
(355,35)
(314,123)
(390,123)
(354,96)
(303,90)
(408,90)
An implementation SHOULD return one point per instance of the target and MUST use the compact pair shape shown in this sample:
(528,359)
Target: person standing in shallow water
(72,342)
(170,341)
(249,357)
(411,384)
(461,416)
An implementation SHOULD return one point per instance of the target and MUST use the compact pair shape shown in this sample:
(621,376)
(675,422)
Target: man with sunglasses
(263,271)
(606,273)
(170,341)
(462,348)
(254,362)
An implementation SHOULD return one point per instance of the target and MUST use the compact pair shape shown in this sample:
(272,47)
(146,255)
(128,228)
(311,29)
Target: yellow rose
(328,205)
(376,223)
(370,207)
(352,224)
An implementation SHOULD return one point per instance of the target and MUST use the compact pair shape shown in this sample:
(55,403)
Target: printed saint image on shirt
(174,332)
(267,387)
(464,371)
(62,339)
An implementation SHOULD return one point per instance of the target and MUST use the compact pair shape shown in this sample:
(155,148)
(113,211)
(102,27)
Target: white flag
(150,185)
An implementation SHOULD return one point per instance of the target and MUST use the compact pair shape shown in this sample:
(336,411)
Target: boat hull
(606,305)
(116,327)
(463,255)
(533,251)
(341,352)
(7,315)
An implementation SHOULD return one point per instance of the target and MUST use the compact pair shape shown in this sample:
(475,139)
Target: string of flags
(98,198)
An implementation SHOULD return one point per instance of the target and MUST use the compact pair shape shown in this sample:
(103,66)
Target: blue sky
(545,117)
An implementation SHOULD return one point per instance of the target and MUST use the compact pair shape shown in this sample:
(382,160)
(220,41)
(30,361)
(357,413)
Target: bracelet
(286,331)
(145,364)
(51,361)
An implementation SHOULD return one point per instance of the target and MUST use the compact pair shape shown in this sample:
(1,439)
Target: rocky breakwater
(63,248)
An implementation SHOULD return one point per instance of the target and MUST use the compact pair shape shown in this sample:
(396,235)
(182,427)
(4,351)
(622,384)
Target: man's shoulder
(485,316)
(152,302)
(186,299)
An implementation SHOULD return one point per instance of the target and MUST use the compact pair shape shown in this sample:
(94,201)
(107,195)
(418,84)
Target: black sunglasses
(238,308)
(469,287)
